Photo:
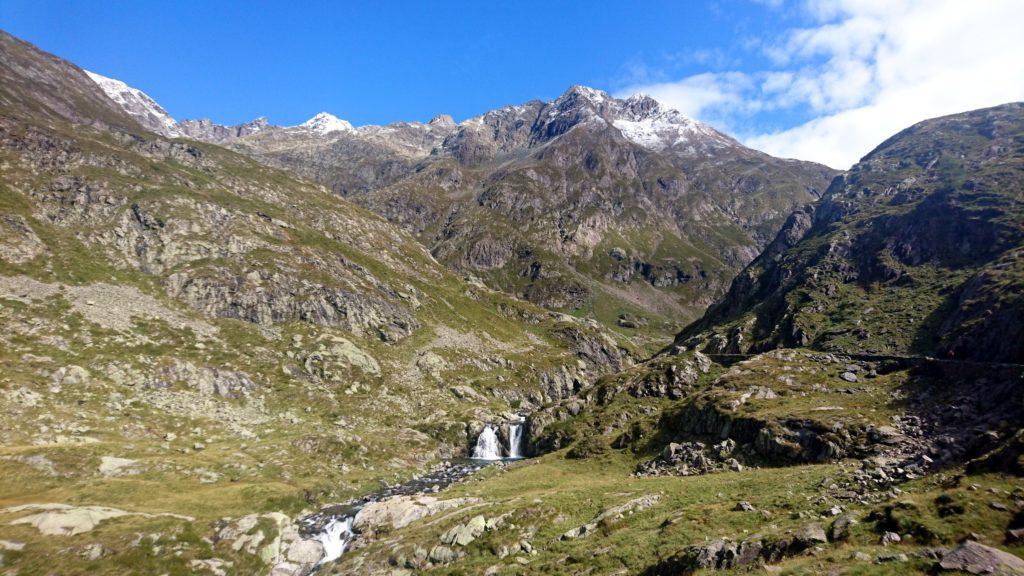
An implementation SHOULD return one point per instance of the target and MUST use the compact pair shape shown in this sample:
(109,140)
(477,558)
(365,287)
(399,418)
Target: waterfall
(487,447)
(335,538)
(515,440)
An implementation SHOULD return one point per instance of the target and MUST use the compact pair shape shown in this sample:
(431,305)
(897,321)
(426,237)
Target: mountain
(138,105)
(186,334)
(918,249)
(619,210)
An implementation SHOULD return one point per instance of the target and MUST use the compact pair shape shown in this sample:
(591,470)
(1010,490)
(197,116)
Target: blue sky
(369,64)
(816,79)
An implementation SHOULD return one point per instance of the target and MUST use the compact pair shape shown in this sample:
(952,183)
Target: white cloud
(868,69)
(700,94)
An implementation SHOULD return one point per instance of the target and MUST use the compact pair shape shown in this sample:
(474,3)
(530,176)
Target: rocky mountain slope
(619,210)
(186,334)
(918,249)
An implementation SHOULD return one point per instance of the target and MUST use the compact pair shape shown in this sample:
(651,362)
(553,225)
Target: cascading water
(487,446)
(333,526)
(515,439)
(335,538)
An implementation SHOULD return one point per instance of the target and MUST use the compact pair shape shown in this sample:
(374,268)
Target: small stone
(890,538)
(848,376)
(744,506)
(860,556)
(198,446)
(998,506)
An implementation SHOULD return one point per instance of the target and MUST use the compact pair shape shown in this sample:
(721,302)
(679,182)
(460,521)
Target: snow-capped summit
(325,123)
(593,95)
(137,104)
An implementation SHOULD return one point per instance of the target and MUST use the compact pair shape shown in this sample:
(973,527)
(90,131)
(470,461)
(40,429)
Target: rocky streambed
(336,526)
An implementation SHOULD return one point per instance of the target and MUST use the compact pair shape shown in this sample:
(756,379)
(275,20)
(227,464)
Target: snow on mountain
(137,104)
(639,118)
(324,123)
(642,120)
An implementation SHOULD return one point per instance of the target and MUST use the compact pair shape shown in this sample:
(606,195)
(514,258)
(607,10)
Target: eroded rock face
(207,380)
(18,241)
(268,298)
(724,554)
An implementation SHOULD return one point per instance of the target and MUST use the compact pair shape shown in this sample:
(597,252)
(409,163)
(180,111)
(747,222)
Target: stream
(332,525)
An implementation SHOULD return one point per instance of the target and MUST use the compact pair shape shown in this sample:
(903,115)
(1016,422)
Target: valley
(583,336)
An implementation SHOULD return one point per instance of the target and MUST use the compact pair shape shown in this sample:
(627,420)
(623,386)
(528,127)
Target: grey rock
(840,528)
(443,555)
(975,558)
(810,534)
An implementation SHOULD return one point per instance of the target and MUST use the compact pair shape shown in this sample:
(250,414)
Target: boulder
(975,558)
(348,354)
(400,511)
(840,528)
(465,534)
(810,535)
(305,552)
(443,555)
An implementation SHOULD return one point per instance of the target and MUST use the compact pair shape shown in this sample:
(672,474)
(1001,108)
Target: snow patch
(668,129)
(137,104)
(325,123)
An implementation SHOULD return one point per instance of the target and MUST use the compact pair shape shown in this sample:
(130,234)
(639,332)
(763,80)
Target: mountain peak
(579,91)
(137,104)
(442,120)
(641,105)
(325,123)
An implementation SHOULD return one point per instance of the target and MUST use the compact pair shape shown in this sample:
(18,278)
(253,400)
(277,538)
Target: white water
(335,538)
(515,440)
(487,447)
